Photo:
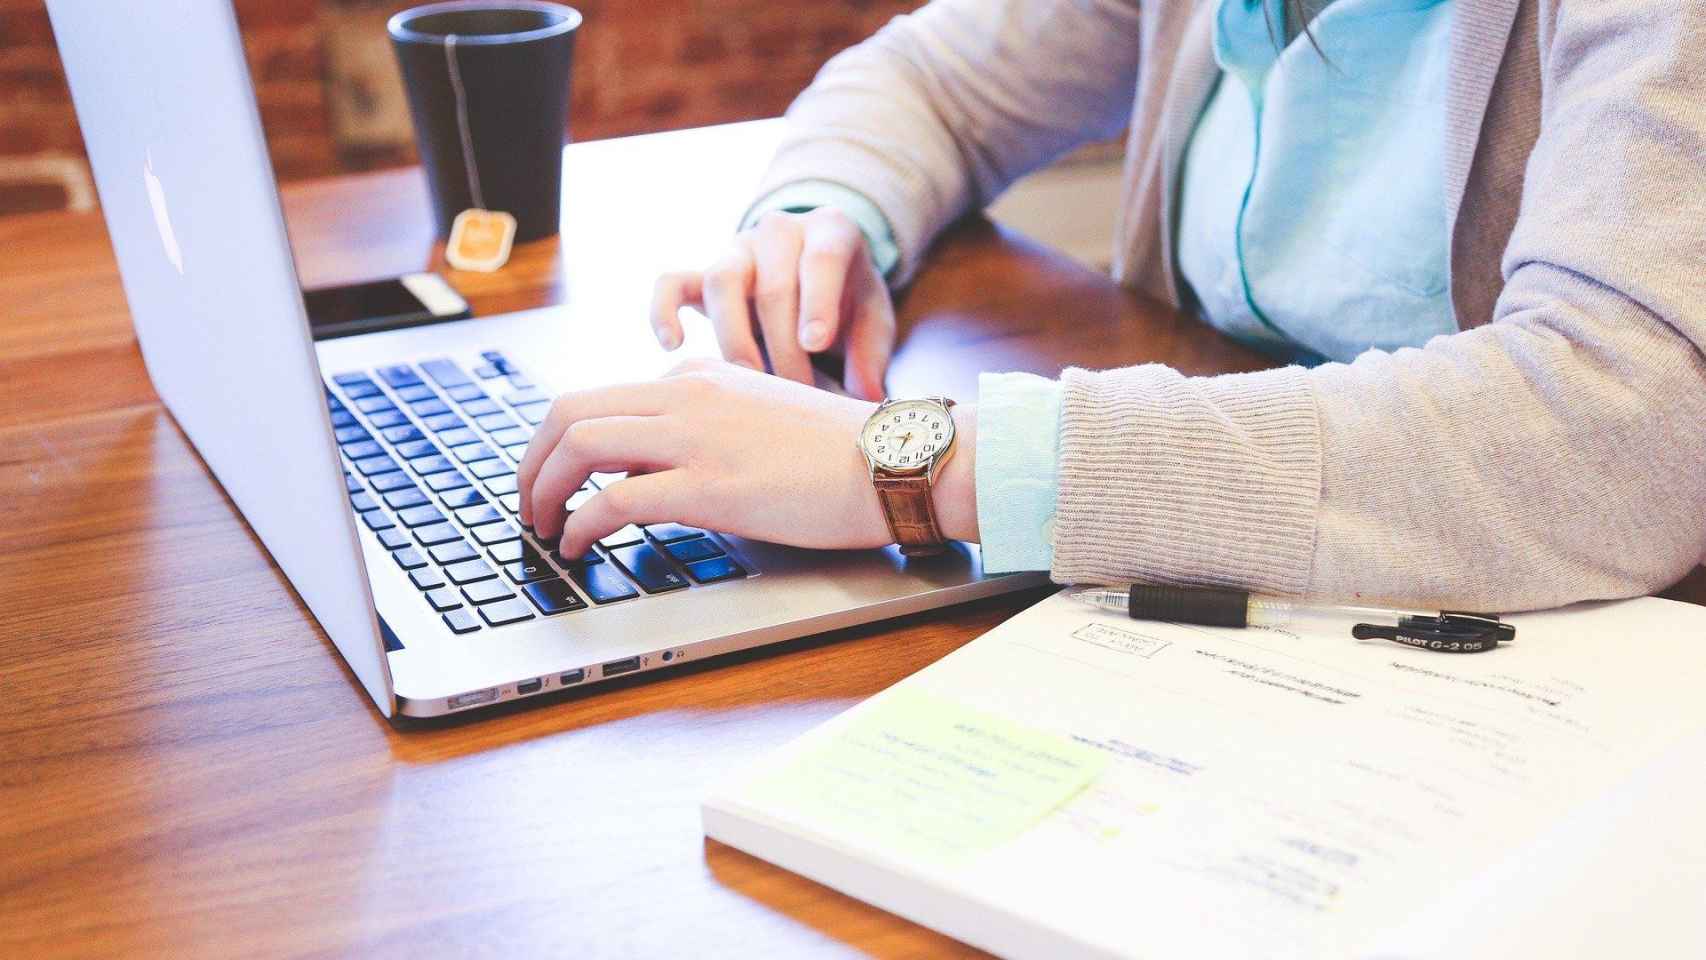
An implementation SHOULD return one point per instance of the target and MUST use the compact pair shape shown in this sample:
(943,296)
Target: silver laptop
(379,469)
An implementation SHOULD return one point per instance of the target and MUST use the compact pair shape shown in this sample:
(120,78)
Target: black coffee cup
(488,87)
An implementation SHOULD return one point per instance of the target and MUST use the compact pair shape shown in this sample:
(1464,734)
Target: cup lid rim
(398,24)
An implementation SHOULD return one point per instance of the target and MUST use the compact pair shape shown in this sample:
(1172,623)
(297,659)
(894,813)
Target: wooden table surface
(187,767)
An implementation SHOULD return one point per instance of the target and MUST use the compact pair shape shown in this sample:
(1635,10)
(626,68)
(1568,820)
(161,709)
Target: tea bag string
(462,122)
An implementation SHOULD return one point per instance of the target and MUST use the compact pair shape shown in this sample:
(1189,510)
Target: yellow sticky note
(921,775)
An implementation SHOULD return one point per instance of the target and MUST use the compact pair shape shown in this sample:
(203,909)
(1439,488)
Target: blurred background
(332,103)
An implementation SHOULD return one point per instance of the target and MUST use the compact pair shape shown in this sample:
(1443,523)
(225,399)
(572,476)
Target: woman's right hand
(805,283)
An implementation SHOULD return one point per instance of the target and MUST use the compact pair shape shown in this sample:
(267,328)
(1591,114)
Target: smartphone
(411,300)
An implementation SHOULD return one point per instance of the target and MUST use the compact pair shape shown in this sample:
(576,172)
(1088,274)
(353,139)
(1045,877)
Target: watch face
(907,435)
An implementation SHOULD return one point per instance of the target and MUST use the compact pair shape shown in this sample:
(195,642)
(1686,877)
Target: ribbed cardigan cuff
(905,201)
(1171,479)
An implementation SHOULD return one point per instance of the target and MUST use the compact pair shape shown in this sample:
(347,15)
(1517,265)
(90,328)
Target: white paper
(1289,795)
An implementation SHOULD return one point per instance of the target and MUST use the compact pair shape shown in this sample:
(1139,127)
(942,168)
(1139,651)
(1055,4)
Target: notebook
(1078,784)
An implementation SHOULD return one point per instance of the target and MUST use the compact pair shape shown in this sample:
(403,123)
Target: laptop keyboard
(429,454)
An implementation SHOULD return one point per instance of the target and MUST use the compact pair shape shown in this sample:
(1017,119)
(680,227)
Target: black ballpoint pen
(1445,632)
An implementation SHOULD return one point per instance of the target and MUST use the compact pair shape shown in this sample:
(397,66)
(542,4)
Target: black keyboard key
(671,532)
(420,516)
(461,621)
(377,521)
(409,558)
(529,568)
(375,404)
(487,591)
(387,482)
(534,413)
(371,465)
(587,559)
(359,449)
(464,497)
(342,419)
(505,611)
(478,515)
(403,434)
(457,437)
(480,407)
(361,390)
(351,483)
(363,502)
(444,598)
(440,482)
(509,551)
(714,569)
(469,571)
(394,539)
(444,421)
(602,584)
(648,568)
(417,448)
(429,408)
(465,391)
(511,436)
(494,421)
(553,596)
(444,372)
(427,578)
(487,372)
(386,419)
(411,394)
(626,536)
(524,397)
(516,451)
(405,498)
(473,452)
(496,533)
(351,434)
(511,502)
(426,466)
(436,534)
(398,375)
(501,485)
(447,553)
(487,469)
(698,548)
(354,376)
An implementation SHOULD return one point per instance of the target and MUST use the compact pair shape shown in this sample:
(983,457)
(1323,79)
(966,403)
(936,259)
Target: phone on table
(410,300)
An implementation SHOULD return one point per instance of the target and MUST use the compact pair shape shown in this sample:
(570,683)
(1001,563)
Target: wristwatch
(905,443)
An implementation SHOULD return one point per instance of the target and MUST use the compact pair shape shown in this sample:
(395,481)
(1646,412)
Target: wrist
(954,494)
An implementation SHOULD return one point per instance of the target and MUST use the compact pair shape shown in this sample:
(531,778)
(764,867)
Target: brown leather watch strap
(910,513)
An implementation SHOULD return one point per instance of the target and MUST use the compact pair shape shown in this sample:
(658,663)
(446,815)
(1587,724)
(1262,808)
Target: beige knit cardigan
(1553,450)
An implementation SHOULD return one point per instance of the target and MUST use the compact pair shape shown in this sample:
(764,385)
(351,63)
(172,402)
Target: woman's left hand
(719,446)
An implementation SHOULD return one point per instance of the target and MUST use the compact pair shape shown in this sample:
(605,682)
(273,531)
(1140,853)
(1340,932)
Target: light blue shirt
(1312,203)
(1312,225)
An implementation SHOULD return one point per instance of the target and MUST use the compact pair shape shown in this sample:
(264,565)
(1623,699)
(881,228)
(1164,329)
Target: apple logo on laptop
(162,219)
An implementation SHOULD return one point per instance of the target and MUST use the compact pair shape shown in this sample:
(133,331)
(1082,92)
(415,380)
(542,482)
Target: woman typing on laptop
(1490,301)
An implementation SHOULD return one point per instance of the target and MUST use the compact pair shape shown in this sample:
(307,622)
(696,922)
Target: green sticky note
(920,775)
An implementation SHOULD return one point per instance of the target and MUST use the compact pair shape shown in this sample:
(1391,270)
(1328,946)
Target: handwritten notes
(919,775)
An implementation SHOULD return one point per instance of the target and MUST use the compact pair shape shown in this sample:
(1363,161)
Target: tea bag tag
(480,240)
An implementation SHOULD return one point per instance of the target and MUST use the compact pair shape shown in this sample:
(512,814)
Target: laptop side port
(526,687)
(573,676)
(625,665)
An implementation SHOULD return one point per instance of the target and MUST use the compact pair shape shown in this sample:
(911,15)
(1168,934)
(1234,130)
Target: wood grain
(187,768)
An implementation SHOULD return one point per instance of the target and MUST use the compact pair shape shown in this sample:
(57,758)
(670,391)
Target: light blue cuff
(804,195)
(1018,439)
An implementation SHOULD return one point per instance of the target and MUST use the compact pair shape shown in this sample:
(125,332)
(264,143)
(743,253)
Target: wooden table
(187,767)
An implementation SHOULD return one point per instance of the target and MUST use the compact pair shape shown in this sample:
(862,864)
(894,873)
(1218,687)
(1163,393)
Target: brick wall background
(330,100)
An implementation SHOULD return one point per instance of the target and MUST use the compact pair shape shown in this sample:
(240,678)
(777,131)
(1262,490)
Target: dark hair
(1299,12)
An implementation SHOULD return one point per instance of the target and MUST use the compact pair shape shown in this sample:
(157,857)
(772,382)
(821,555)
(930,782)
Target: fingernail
(666,338)
(811,337)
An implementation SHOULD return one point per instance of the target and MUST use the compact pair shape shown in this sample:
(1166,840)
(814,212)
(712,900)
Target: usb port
(529,686)
(615,667)
(573,676)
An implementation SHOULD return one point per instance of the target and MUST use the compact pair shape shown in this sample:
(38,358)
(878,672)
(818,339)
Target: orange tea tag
(480,240)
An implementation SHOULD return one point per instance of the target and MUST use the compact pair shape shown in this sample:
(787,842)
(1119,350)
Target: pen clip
(1450,632)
